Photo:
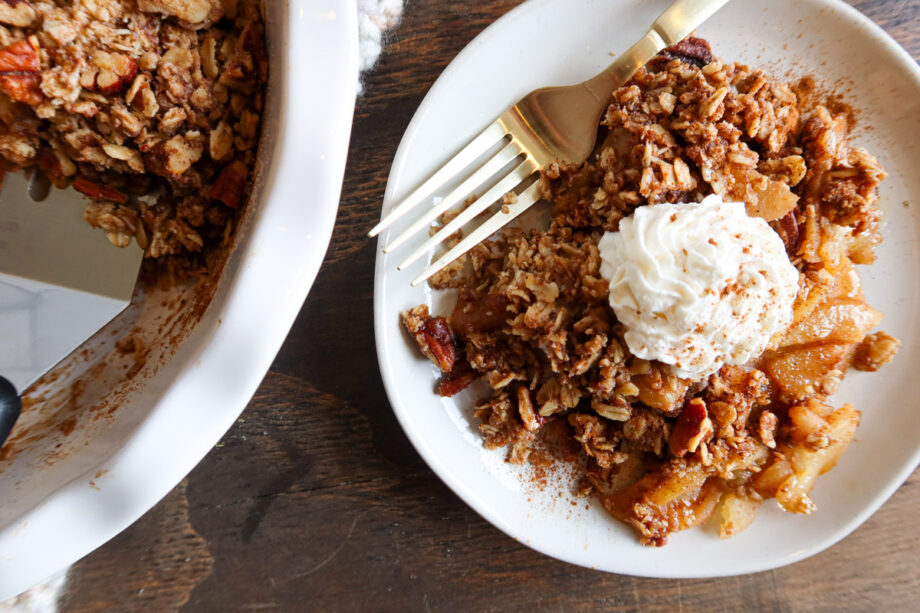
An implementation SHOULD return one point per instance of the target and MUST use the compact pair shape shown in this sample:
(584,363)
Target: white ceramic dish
(67,493)
(825,38)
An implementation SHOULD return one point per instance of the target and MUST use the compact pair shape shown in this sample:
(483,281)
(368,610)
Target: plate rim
(466,494)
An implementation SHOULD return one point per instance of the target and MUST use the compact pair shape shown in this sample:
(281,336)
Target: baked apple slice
(820,344)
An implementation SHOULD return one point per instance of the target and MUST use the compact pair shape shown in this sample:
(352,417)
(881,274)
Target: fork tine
(508,153)
(464,158)
(524,201)
(508,183)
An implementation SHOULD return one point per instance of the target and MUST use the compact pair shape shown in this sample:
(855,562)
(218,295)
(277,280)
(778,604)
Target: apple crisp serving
(129,98)
(663,449)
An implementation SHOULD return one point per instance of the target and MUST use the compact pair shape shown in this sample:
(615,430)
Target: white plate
(823,37)
(65,495)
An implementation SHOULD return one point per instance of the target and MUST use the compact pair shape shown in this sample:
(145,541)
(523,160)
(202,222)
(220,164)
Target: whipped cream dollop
(698,285)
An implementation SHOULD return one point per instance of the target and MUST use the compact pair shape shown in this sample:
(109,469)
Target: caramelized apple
(836,321)
(675,497)
(763,197)
(823,434)
(798,371)
(828,324)
(661,389)
(773,201)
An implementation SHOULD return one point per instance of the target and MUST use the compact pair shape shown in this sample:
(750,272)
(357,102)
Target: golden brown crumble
(125,98)
(875,351)
(532,318)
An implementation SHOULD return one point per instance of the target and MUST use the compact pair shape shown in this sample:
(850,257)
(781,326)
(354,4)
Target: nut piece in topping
(116,72)
(19,72)
(98,192)
(691,50)
(230,185)
(433,336)
(458,379)
(17,13)
(693,426)
(193,12)
(875,351)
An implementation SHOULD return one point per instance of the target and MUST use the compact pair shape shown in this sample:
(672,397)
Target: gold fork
(549,124)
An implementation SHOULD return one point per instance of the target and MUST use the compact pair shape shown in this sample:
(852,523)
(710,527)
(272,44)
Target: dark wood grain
(315,500)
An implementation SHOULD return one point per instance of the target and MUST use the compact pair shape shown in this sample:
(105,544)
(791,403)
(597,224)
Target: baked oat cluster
(124,98)
(532,318)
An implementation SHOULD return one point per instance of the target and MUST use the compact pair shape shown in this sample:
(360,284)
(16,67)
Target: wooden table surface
(315,500)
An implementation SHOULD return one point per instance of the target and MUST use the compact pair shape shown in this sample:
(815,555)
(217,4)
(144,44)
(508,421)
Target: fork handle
(671,27)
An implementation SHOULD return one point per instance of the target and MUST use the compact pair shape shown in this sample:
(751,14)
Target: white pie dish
(824,38)
(75,485)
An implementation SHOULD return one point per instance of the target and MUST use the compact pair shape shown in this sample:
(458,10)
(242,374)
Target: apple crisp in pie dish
(151,108)
(680,326)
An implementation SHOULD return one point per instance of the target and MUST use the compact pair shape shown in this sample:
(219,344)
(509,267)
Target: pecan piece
(21,56)
(230,185)
(693,426)
(458,379)
(439,343)
(17,13)
(691,50)
(98,192)
(116,73)
(19,72)
(433,335)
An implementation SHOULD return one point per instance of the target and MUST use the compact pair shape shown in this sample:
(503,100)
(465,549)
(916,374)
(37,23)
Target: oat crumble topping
(663,453)
(123,98)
